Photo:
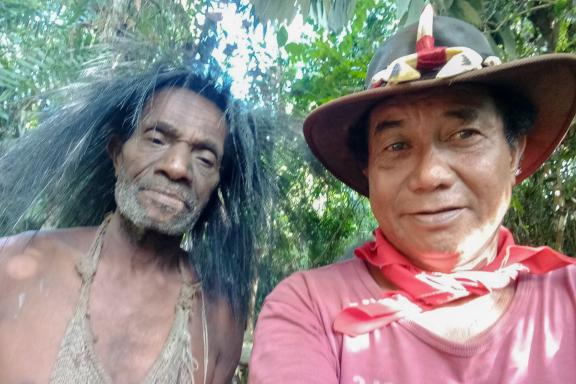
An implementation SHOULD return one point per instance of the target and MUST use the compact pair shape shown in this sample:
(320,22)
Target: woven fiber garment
(77,362)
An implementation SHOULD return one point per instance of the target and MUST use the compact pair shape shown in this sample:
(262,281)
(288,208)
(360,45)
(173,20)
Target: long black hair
(61,175)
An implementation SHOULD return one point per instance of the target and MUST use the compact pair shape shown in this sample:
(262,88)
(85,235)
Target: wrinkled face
(169,167)
(440,172)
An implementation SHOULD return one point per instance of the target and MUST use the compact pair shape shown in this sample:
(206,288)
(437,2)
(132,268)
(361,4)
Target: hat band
(450,61)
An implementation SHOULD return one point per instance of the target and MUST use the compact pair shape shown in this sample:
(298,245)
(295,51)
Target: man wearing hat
(436,142)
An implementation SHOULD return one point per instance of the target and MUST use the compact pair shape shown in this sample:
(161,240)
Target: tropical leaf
(414,12)
(401,8)
(282,36)
(468,12)
(509,42)
(294,49)
(442,6)
(334,14)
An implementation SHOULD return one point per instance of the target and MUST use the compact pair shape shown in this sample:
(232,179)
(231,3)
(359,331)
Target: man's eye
(207,162)
(397,147)
(465,134)
(155,139)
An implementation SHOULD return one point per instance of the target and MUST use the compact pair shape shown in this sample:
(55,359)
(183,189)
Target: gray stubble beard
(126,193)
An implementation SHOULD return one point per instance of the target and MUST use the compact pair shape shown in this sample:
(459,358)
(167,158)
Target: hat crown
(447,32)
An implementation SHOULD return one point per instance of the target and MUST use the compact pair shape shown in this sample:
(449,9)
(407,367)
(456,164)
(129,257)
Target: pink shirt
(533,342)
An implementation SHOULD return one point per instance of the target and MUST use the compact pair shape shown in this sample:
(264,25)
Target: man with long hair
(156,186)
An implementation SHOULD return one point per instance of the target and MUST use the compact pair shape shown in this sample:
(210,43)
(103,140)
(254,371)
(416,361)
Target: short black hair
(517,111)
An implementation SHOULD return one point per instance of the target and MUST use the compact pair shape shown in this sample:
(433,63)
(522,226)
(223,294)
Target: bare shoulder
(226,334)
(27,256)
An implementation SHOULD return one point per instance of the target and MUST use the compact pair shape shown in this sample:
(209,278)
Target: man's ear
(114,149)
(518,151)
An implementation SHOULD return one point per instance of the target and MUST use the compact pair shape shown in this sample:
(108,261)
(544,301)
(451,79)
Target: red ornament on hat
(428,56)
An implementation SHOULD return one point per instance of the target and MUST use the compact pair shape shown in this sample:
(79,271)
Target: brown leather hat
(447,53)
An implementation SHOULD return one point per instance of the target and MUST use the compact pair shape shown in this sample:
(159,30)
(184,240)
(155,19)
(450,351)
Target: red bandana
(420,290)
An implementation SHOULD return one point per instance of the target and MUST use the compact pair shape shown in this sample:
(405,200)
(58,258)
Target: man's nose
(432,171)
(175,162)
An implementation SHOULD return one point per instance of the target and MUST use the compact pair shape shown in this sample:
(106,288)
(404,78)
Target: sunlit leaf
(468,12)
(401,8)
(333,14)
(282,36)
(509,42)
(414,11)
(294,49)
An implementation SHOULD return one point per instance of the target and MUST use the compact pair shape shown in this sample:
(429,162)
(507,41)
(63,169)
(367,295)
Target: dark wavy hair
(60,175)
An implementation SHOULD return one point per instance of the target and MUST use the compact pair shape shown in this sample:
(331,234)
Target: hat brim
(548,81)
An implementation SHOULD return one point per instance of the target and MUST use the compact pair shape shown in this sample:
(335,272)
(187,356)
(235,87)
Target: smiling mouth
(438,217)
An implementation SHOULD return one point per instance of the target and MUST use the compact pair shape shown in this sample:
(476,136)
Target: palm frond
(334,14)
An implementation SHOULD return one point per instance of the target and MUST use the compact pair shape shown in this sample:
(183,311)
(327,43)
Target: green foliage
(544,206)
(34,55)
(48,44)
(316,219)
(328,64)
(566,18)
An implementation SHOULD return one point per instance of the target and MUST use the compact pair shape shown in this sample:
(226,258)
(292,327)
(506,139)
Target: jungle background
(288,56)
